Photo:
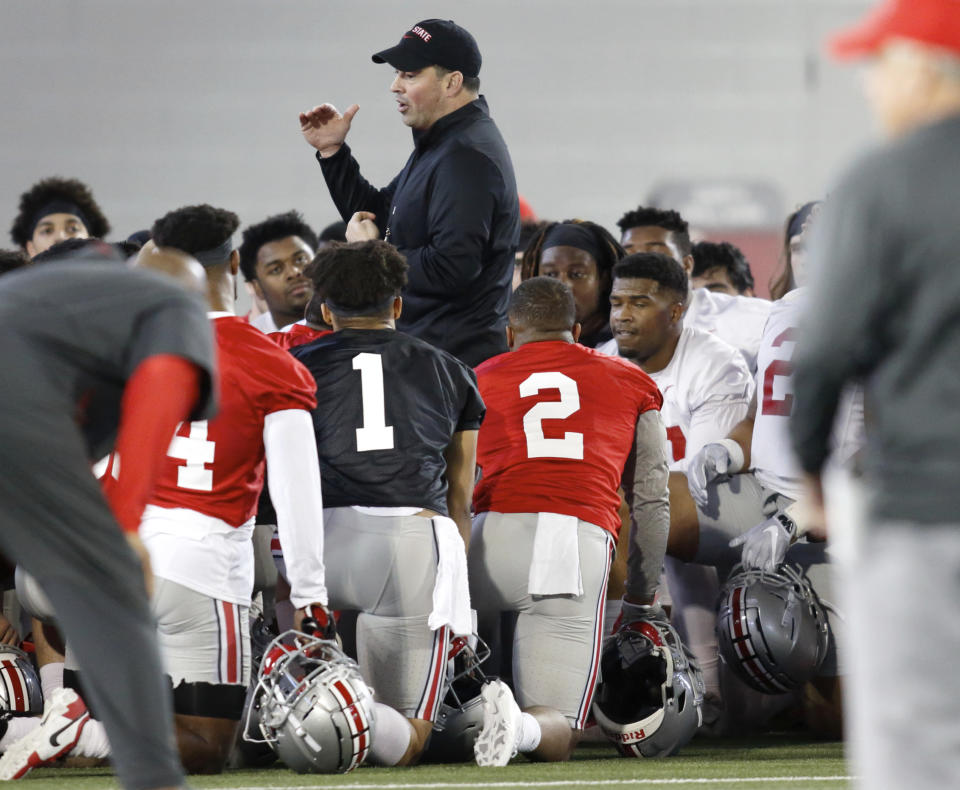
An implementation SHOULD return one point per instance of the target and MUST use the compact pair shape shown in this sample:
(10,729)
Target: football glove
(711,462)
(766,544)
(320,623)
(635,612)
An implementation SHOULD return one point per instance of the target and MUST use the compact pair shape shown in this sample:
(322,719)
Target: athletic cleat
(497,742)
(63,721)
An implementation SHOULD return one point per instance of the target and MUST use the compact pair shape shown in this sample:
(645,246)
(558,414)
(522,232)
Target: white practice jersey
(706,389)
(771,453)
(774,462)
(265,323)
(738,320)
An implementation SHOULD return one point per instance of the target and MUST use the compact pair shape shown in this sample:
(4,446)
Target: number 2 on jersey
(778,407)
(538,446)
(375,433)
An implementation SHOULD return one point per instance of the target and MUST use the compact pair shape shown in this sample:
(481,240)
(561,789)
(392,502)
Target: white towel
(451,592)
(555,565)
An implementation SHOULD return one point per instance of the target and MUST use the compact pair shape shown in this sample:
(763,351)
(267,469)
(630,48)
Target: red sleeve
(160,393)
(283,382)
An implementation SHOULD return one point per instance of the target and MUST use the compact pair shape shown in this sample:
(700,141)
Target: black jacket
(453,212)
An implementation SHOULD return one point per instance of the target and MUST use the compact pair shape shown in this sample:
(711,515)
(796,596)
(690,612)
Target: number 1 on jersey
(538,446)
(375,433)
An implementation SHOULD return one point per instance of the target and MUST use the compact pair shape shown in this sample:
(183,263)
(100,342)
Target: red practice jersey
(216,466)
(560,424)
(297,335)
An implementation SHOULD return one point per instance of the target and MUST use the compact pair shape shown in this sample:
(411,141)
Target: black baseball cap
(434,42)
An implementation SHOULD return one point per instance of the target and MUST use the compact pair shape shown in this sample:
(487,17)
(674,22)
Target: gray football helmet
(460,718)
(772,629)
(314,708)
(648,701)
(20,693)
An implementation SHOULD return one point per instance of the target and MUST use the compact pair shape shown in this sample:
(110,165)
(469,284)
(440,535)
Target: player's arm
(722,398)
(349,190)
(294,481)
(8,633)
(645,490)
(461,458)
(161,393)
(718,457)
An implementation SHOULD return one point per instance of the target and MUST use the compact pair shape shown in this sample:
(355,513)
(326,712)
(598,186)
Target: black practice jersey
(388,405)
(76,331)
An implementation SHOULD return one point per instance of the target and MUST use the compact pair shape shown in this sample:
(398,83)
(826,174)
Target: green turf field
(768,763)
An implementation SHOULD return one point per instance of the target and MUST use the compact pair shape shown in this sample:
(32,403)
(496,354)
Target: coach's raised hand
(325,128)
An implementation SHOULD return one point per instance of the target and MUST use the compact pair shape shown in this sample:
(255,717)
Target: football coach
(453,209)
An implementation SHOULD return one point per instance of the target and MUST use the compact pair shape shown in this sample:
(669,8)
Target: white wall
(158,104)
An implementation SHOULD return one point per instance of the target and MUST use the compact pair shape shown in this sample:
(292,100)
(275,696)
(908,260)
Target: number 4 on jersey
(538,446)
(196,450)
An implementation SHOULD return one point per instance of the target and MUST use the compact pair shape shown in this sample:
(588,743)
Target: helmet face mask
(460,718)
(650,693)
(20,693)
(771,628)
(314,708)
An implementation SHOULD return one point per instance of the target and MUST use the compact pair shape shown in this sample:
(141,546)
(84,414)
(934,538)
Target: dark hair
(312,312)
(335,231)
(274,228)
(782,283)
(128,247)
(194,229)
(472,84)
(12,259)
(544,304)
(611,252)
(529,229)
(724,255)
(53,189)
(358,277)
(657,267)
(668,219)
(80,249)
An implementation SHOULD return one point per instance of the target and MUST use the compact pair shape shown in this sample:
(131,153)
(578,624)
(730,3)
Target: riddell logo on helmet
(419,31)
(629,737)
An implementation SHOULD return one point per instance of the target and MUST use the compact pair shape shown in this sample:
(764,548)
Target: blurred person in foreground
(120,358)
(884,295)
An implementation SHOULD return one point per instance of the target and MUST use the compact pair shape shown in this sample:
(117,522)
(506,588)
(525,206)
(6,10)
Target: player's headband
(569,234)
(216,255)
(356,312)
(796,224)
(58,206)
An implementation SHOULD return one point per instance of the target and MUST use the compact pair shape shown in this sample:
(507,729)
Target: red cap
(934,22)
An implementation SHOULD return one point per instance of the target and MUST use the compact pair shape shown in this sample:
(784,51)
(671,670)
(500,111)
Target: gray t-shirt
(74,332)
(885,310)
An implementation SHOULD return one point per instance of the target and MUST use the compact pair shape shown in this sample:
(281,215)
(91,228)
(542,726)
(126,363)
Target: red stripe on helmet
(20,703)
